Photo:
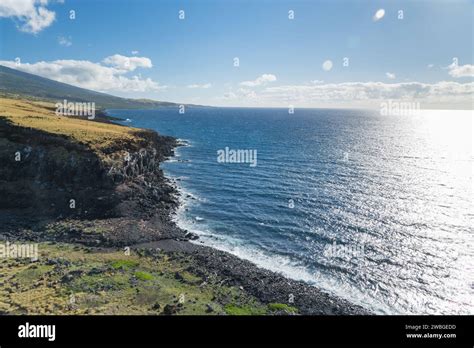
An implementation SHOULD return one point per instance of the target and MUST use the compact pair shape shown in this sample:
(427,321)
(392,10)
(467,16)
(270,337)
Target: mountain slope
(15,82)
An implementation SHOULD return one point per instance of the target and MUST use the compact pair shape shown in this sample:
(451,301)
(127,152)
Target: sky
(311,53)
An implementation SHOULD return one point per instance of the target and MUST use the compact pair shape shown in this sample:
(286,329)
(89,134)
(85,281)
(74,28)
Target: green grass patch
(274,307)
(143,275)
(31,275)
(124,264)
(94,283)
(231,309)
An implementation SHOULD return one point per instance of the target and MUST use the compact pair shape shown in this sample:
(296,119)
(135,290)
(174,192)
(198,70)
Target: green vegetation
(124,264)
(143,276)
(244,310)
(73,279)
(282,307)
(272,308)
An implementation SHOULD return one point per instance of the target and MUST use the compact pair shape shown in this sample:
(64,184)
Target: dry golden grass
(41,115)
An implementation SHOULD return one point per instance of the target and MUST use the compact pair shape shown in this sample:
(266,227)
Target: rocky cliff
(47,177)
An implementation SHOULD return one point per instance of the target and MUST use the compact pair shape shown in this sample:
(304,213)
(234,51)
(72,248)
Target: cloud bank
(363,94)
(95,76)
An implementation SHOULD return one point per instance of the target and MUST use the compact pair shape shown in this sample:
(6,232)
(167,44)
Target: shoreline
(261,282)
(130,203)
(198,242)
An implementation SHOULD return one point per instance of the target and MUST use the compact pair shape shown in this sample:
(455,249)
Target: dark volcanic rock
(170,309)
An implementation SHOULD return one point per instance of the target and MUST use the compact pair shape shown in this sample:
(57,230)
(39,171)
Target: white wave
(280,264)
(184,142)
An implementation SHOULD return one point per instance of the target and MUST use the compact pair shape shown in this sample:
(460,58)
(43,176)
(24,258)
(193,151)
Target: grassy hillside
(41,115)
(17,83)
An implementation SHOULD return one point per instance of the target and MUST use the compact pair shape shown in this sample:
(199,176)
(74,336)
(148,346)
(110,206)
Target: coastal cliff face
(53,177)
(42,172)
(138,181)
(49,181)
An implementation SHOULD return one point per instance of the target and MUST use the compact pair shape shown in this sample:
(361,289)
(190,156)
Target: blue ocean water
(375,209)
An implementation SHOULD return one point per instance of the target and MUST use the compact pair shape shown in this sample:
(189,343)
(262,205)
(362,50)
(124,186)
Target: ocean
(374,209)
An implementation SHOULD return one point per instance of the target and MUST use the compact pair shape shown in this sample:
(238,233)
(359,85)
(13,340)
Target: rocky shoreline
(264,284)
(125,201)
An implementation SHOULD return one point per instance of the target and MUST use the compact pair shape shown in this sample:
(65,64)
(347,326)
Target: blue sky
(191,60)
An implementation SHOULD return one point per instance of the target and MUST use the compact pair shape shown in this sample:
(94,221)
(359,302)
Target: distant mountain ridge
(16,82)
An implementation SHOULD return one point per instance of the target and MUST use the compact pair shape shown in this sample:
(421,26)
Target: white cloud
(362,94)
(32,15)
(127,63)
(379,15)
(86,74)
(461,71)
(135,52)
(205,86)
(390,75)
(430,66)
(64,41)
(317,82)
(259,81)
